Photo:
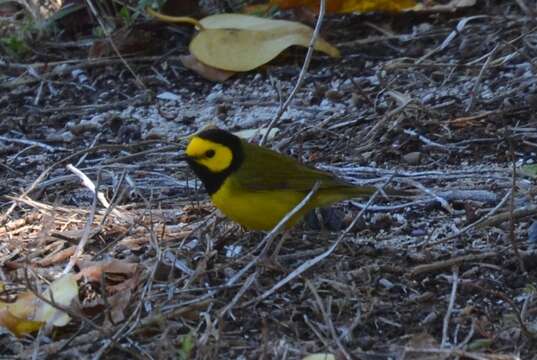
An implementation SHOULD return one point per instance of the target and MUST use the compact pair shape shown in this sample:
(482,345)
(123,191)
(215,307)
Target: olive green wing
(264,169)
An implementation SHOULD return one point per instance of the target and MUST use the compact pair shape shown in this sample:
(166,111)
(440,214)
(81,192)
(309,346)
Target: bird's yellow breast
(258,210)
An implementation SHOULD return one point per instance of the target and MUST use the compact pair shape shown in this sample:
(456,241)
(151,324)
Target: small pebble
(168,96)
(65,136)
(155,134)
(418,232)
(412,158)
(386,283)
(333,95)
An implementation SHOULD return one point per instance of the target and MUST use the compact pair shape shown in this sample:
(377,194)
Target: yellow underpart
(222,154)
(262,210)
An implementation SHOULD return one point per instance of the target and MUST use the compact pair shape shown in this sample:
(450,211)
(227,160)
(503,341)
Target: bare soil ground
(443,104)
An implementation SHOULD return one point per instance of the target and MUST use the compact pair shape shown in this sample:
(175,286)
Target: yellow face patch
(216,157)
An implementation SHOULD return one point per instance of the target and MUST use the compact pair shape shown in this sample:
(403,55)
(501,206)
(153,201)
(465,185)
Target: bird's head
(213,154)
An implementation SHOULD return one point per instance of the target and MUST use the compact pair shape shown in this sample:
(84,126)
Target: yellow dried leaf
(18,326)
(208,72)
(28,313)
(347,6)
(63,290)
(237,42)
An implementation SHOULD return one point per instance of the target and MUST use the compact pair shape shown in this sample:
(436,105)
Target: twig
(476,224)
(456,261)
(48,170)
(477,84)
(429,142)
(86,181)
(529,333)
(312,262)
(85,234)
(449,311)
(457,31)
(249,281)
(443,202)
(517,213)
(113,44)
(28,142)
(302,74)
(512,236)
(328,319)
(458,353)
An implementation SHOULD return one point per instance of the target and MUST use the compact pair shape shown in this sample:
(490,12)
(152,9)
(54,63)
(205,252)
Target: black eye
(209,153)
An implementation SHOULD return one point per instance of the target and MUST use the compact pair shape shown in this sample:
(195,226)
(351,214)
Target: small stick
(477,85)
(445,326)
(84,238)
(427,141)
(443,202)
(477,224)
(456,261)
(517,213)
(302,74)
(28,142)
(113,45)
(86,181)
(328,318)
(512,236)
(312,262)
(83,157)
(48,170)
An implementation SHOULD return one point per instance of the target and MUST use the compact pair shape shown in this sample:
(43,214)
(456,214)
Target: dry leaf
(118,303)
(418,348)
(61,292)
(28,313)
(58,257)
(18,326)
(206,71)
(93,270)
(347,6)
(237,42)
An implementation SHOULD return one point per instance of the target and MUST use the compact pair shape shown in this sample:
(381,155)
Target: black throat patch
(214,180)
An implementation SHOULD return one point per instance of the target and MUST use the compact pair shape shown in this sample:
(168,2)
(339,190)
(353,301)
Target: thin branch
(449,311)
(302,74)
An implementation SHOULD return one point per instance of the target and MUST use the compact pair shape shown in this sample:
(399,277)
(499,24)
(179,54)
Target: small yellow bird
(256,186)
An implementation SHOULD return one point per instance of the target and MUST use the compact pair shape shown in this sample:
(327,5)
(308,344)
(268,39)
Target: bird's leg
(286,235)
(271,261)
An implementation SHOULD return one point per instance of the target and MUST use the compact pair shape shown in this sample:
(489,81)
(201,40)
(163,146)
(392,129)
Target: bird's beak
(183,158)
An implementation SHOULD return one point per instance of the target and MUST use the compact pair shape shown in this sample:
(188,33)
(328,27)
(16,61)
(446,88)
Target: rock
(65,136)
(333,95)
(412,158)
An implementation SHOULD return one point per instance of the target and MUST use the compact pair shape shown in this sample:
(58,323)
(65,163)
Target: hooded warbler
(256,186)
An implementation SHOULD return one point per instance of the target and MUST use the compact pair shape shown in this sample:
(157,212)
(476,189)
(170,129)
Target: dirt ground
(443,104)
